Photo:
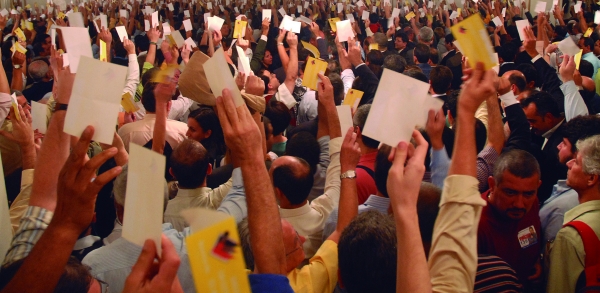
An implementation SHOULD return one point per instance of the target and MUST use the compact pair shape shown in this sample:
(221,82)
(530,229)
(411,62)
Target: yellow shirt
(320,275)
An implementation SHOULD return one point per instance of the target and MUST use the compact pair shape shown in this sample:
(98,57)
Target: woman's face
(196,132)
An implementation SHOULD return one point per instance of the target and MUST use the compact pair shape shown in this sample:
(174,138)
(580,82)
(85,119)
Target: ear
(492,182)
(209,169)
(208,133)
(593,180)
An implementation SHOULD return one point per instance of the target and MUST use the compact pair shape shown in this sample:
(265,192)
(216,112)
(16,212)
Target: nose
(518,203)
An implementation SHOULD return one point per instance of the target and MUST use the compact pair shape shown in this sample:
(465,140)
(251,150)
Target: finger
(478,72)
(142,266)
(223,119)
(348,136)
(400,154)
(421,150)
(79,152)
(169,264)
(89,169)
(431,117)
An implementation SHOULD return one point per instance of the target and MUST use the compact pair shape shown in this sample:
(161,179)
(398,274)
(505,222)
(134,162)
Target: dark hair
(452,102)
(304,145)
(76,277)
(266,81)
(416,74)
(586,68)
(543,102)
(589,42)
(518,162)
(395,62)
(427,208)
(581,127)
(421,52)
(367,254)
(449,39)
(528,71)
(480,135)
(142,43)
(441,78)
(279,115)
(148,100)
(434,56)
(338,87)
(189,163)
(518,80)
(402,35)
(507,52)
(359,120)
(382,167)
(207,119)
(295,182)
(375,57)
(266,123)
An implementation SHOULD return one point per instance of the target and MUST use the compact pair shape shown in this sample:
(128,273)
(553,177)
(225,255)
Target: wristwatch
(350,174)
(59,107)
(17,66)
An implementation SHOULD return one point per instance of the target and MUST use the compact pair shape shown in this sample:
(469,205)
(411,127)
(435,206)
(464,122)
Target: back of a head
(416,74)
(508,52)
(142,43)
(148,99)
(395,62)
(245,243)
(586,68)
(76,278)
(581,127)
(38,70)
(428,206)
(518,80)
(434,56)
(380,39)
(279,115)
(367,254)
(304,145)
(189,163)
(426,34)
(441,79)
(480,135)
(589,149)
(294,180)
(518,163)
(338,87)
(359,119)
(543,102)
(528,71)
(422,53)
(375,57)
(449,39)
(120,188)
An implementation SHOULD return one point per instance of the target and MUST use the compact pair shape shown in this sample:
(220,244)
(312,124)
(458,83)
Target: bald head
(38,70)
(292,176)
(517,81)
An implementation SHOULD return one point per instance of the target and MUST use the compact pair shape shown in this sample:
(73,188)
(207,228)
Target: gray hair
(518,162)
(38,70)
(360,117)
(381,39)
(426,34)
(120,188)
(589,149)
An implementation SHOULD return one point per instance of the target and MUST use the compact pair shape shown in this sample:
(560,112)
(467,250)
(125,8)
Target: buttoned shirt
(552,213)
(320,274)
(310,218)
(141,132)
(21,202)
(33,224)
(567,254)
(203,197)
(374,202)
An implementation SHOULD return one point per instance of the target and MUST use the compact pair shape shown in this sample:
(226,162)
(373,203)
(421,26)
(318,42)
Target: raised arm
(574,104)
(152,35)
(291,74)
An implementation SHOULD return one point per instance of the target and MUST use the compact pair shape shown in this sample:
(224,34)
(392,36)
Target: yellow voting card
(578,59)
(352,98)
(315,16)
(240,29)
(166,73)
(377,3)
(308,46)
(128,103)
(474,41)
(368,2)
(103,49)
(15,106)
(588,33)
(20,35)
(29,25)
(410,15)
(374,46)
(313,67)
(17,47)
(215,252)
(332,22)
(61,15)
(459,11)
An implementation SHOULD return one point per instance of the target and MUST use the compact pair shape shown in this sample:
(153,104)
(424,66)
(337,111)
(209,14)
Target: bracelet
(279,44)
(153,43)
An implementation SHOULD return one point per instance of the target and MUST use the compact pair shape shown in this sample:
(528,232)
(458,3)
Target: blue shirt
(590,57)
(234,202)
(561,200)
(374,202)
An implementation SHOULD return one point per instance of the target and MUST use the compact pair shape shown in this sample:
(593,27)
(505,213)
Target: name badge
(527,237)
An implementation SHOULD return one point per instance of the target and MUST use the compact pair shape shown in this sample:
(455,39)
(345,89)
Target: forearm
(574,104)
(151,56)
(17,79)
(333,121)
(54,152)
(412,273)
(291,73)
(464,147)
(285,59)
(263,218)
(495,125)
(348,204)
(160,128)
(28,156)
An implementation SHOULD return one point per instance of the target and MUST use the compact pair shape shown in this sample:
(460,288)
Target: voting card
(311,48)
(350,17)
(374,46)
(155,19)
(577,7)
(497,21)
(103,51)
(128,103)
(4,12)
(568,47)
(215,23)
(396,108)
(313,67)
(332,23)
(243,62)
(220,77)
(15,105)
(395,13)
(77,43)
(170,6)
(588,32)
(281,11)
(186,13)
(295,26)
(190,42)
(122,32)
(345,116)
(239,30)
(187,24)
(39,116)
(75,19)
(305,19)
(215,252)
(123,13)
(147,26)
(344,30)
(95,98)
(474,41)
(145,196)
(266,14)
(340,7)
(409,16)
(540,7)
(429,103)
(353,98)
(521,25)
(20,35)
(176,39)
(166,29)
(577,59)
(365,15)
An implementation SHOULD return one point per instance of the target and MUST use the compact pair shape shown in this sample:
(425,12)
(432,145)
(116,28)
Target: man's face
(46,45)
(292,242)
(564,151)
(23,103)
(399,44)
(268,59)
(514,196)
(539,124)
(576,178)
(597,48)
(273,82)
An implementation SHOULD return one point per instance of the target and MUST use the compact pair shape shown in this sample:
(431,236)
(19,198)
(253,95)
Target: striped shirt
(33,224)
(495,275)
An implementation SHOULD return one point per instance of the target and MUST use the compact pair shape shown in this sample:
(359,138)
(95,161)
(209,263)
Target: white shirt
(307,109)
(133,75)
(347,78)
(141,132)
(179,107)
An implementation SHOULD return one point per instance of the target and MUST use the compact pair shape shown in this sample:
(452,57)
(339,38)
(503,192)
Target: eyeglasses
(103,286)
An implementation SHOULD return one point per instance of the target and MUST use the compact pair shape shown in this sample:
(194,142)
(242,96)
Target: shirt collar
(379,203)
(576,212)
(85,242)
(195,192)
(559,188)
(437,95)
(550,132)
(288,213)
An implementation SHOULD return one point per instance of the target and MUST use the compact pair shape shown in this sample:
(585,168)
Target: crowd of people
(504,197)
